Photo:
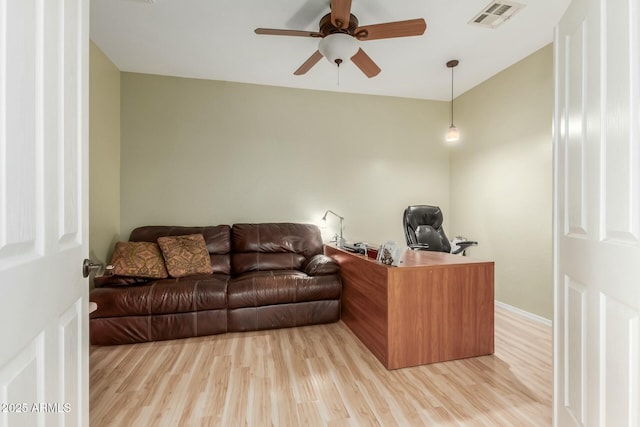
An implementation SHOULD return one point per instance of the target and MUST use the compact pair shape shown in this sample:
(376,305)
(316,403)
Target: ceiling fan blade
(365,63)
(340,13)
(313,60)
(298,33)
(412,27)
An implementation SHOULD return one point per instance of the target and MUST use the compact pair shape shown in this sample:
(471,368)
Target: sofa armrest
(320,265)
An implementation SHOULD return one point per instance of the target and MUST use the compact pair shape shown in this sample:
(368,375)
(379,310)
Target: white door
(597,214)
(44,47)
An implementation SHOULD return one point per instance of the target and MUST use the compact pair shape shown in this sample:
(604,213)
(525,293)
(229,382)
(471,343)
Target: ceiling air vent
(496,13)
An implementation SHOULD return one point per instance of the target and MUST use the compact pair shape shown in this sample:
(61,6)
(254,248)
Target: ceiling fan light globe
(453,134)
(338,46)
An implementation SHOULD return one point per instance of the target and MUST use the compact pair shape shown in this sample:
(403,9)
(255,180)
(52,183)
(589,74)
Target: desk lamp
(339,240)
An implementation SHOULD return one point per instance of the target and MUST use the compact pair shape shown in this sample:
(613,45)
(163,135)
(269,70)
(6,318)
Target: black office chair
(423,231)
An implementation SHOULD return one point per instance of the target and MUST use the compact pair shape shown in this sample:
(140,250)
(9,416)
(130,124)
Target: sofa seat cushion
(182,295)
(260,288)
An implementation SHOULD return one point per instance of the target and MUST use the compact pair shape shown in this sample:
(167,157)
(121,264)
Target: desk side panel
(364,300)
(438,314)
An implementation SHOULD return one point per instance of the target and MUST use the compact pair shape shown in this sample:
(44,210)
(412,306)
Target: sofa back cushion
(217,238)
(273,246)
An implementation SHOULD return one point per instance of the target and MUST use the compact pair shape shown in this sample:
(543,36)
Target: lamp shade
(453,134)
(338,47)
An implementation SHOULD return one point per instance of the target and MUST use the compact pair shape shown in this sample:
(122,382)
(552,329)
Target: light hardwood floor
(320,375)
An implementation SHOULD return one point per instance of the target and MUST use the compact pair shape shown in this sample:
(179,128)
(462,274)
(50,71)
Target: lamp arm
(324,218)
(329,211)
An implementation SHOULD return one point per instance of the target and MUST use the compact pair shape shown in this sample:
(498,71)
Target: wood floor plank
(309,414)
(320,375)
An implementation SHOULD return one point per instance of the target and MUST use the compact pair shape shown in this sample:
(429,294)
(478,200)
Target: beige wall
(210,152)
(207,152)
(501,179)
(104,154)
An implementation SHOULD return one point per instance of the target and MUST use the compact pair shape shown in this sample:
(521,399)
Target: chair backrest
(423,225)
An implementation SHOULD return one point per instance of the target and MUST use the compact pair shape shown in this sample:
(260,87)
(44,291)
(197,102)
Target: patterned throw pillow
(138,259)
(185,255)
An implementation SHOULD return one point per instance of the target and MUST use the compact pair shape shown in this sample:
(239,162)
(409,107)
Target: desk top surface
(412,259)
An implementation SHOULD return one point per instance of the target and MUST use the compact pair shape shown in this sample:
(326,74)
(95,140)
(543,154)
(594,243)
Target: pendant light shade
(338,47)
(453,134)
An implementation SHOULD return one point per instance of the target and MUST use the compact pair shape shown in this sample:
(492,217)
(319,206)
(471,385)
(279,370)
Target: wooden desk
(433,307)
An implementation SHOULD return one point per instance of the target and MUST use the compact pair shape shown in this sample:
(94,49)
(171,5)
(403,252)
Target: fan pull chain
(338,62)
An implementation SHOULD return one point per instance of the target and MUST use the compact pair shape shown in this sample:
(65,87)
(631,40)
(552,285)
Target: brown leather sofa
(264,276)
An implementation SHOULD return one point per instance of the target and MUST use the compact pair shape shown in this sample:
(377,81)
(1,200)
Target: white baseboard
(523,313)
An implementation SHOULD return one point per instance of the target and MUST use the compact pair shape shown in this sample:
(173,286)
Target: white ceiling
(214,39)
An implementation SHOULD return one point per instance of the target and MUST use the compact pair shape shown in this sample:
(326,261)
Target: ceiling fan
(340,32)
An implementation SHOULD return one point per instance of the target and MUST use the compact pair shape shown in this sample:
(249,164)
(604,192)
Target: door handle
(89,266)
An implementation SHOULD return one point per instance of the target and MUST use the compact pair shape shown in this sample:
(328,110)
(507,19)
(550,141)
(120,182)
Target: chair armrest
(419,246)
(320,265)
(461,246)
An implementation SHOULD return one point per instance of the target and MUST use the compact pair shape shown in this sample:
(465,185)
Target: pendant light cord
(452,96)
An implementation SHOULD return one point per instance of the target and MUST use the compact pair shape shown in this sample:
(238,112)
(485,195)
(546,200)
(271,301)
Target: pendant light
(452,134)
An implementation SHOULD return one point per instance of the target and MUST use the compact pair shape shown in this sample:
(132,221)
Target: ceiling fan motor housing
(326,27)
